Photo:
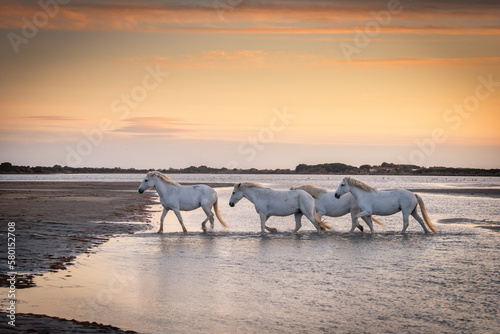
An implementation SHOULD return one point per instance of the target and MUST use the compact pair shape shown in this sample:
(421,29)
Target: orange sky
(267,84)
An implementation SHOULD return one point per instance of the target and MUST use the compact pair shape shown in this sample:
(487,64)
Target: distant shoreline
(488,192)
(7,168)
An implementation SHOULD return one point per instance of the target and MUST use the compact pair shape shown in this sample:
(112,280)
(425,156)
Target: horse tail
(377,221)
(427,219)
(320,222)
(217,213)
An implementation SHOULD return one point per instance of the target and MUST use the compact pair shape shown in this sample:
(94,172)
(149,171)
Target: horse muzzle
(231,204)
(337,196)
(141,191)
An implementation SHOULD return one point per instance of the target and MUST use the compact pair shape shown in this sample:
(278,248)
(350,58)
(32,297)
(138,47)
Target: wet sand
(56,221)
(35,323)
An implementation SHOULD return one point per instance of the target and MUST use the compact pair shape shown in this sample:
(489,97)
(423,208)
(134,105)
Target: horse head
(343,188)
(147,182)
(236,195)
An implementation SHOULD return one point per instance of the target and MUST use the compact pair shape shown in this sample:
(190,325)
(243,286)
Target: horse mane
(249,185)
(163,177)
(358,184)
(311,190)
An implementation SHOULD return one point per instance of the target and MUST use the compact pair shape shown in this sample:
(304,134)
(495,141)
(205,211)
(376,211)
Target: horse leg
(320,215)
(310,216)
(420,220)
(179,217)
(203,225)
(298,222)
(307,208)
(367,217)
(406,217)
(354,222)
(165,210)
(263,227)
(210,216)
(369,222)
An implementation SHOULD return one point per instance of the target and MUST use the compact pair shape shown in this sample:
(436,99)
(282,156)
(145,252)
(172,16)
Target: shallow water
(239,281)
(277,180)
(242,282)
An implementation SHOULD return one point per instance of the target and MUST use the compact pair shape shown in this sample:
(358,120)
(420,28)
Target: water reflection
(284,282)
(240,281)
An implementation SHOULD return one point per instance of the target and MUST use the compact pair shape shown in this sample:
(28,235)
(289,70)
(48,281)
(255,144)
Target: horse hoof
(273,230)
(361,228)
(159,232)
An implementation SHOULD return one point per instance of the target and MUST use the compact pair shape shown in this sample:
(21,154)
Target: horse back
(191,197)
(388,202)
(280,202)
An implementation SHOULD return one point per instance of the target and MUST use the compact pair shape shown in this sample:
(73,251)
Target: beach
(65,219)
(258,282)
(57,221)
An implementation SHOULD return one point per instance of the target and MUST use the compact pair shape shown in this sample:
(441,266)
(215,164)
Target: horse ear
(239,185)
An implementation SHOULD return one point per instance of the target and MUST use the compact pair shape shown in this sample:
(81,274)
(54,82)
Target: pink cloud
(229,59)
(243,59)
(471,61)
(315,17)
(55,118)
(153,126)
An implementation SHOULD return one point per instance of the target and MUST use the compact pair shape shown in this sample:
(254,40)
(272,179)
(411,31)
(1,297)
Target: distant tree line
(326,168)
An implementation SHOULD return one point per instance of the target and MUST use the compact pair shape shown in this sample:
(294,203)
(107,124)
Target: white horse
(270,202)
(328,205)
(179,198)
(384,203)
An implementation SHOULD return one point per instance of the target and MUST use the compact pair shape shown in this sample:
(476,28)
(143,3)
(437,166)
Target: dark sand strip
(35,323)
(488,192)
(56,221)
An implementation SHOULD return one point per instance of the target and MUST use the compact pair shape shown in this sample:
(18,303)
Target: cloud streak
(54,118)
(458,62)
(259,17)
(238,59)
(165,126)
(246,59)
